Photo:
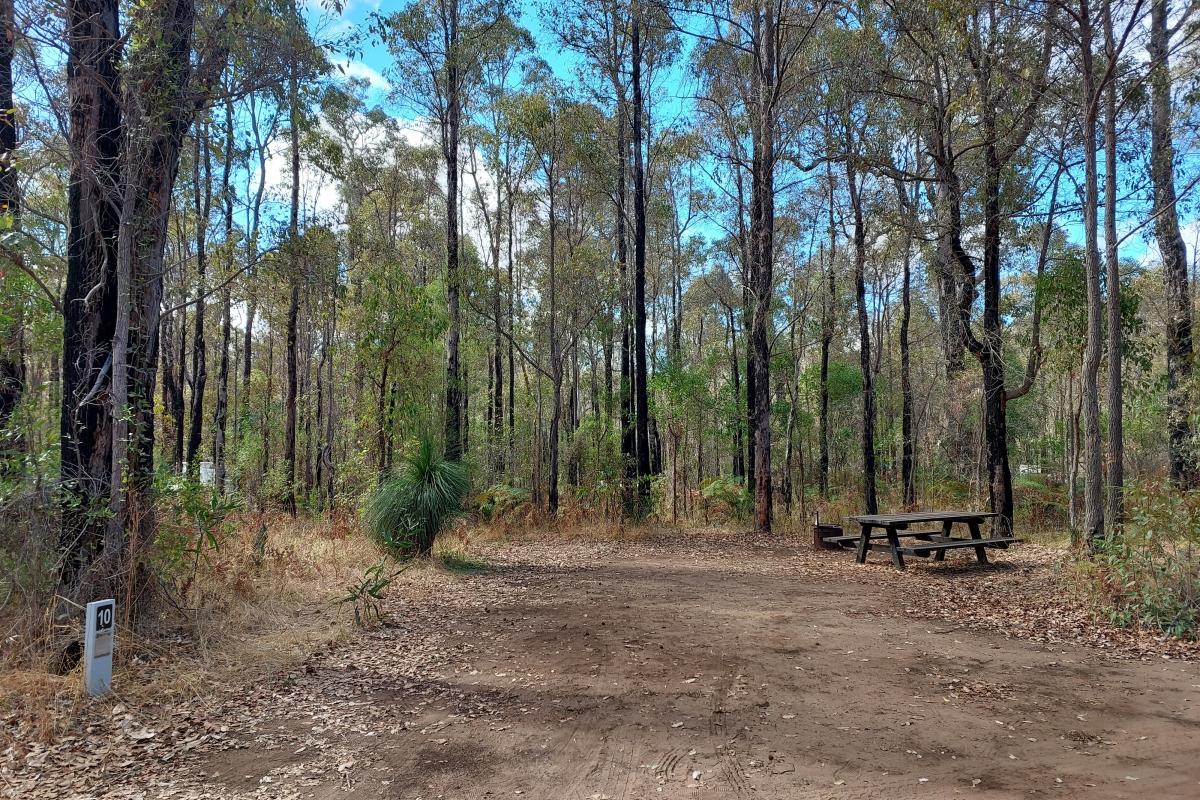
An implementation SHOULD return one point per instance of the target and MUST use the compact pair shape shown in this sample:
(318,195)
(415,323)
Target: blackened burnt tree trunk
(640,395)
(854,188)
(202,180)
(908,454)
(89,300)
(450,140)
(12,345)
(293,313)
(762,249)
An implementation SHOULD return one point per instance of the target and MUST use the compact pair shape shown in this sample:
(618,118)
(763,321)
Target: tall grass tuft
(407,511)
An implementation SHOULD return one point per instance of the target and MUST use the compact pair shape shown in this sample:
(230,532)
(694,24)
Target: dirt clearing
(707,668)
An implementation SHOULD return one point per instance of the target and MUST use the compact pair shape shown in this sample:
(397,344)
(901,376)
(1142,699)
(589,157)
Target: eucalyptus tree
(1098,43)
(1185,470)
(496,182)
(570,290)
(126,142)
(976,76)
(599,31)
(438,47)
(12,326)
(758,55)
(853,134)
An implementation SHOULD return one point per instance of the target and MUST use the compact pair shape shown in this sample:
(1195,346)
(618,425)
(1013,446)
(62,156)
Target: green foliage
(194,520)
(499,499)
(728,493)
(406,512)
(366,594)
(1149,571)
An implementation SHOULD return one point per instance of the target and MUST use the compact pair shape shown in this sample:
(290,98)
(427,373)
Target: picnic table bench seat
(883,532)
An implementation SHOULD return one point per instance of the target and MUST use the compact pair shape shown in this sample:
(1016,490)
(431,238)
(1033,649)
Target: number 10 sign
(99,633)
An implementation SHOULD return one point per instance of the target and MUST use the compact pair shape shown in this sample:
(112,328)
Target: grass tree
(407,512)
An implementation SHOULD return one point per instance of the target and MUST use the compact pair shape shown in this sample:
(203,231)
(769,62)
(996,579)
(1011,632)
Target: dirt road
(708,671)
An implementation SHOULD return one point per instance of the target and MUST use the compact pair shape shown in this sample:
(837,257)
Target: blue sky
(373,64)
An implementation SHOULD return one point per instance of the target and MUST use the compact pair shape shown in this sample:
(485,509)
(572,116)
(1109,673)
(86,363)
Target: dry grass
(235,619)
(528,524)
(239,617)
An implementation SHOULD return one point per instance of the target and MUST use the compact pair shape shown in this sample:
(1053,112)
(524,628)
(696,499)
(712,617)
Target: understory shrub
(1149,571)
(499,499)
(726,493)
(407,511)
(365,595)
(194,521)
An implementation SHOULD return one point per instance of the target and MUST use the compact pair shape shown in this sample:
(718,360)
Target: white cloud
(357,69)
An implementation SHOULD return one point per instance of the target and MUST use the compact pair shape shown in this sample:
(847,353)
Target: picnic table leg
(981,551)
(863,542)
(947,525)
(894,541)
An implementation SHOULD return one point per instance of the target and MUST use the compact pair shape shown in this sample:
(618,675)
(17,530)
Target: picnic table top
(921,516)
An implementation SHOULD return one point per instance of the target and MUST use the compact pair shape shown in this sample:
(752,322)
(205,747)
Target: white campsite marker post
(99,632)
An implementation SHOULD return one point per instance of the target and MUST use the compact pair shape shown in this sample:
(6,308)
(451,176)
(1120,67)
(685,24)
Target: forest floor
(697,664)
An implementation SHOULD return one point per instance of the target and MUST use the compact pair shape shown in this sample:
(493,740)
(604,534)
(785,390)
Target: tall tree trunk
(1116,434)
(89,300)
(384,424)
(745,261)
(331,408)
(450,139)
(512,292)
(178,406)
(908,445)
(158,122)
(12,335)
(990,354)
(203,197)
(1173,252)
(827,323)
(1093,491)
(762,234)
(640,387)
(864,333)
(293,313)
(556,365)
(497,407)
(220,417)
(628,423)
(735,423)
(260,149)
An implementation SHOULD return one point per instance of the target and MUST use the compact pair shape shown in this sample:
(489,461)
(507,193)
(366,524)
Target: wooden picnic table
(894,527)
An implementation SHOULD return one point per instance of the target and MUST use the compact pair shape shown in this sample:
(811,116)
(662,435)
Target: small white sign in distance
(99,634)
